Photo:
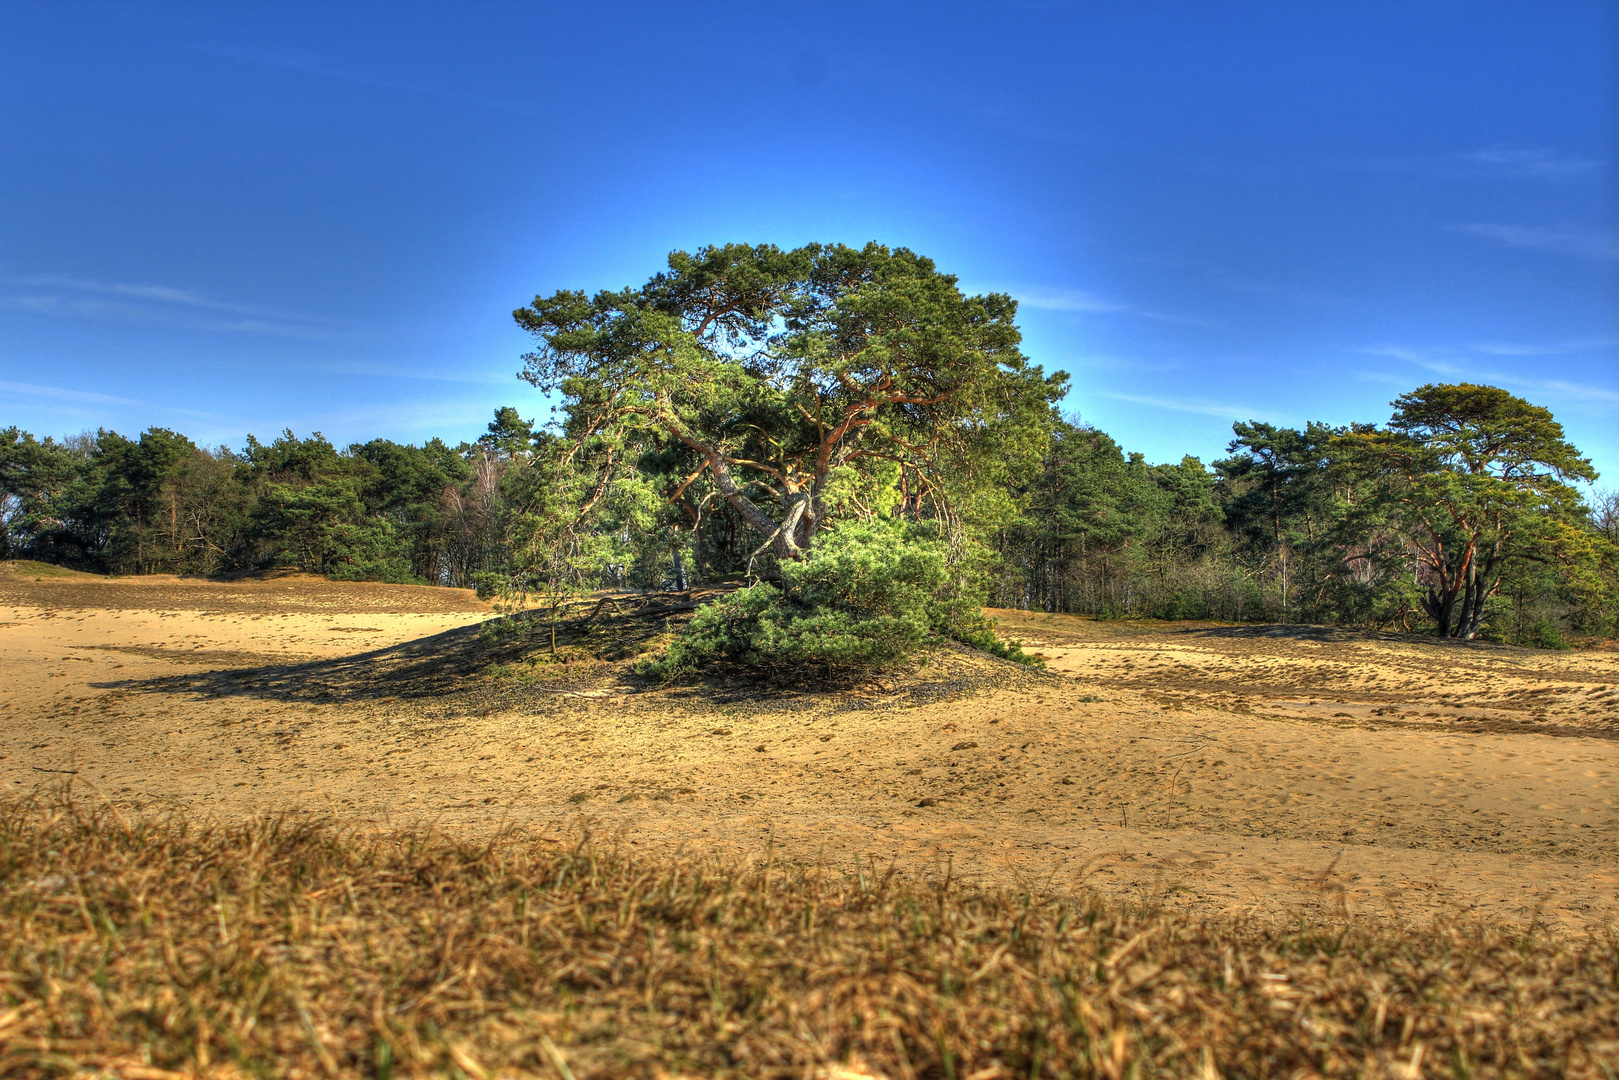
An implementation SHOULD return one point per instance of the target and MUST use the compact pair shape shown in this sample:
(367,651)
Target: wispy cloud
(404,420)
(61,393)
(1500,162)
(330,68)
(1572,240)
(1580,390)
(71,297)
(1440,361)
(373,369)
(1082,301)
(1537,162)
(1460,363)
(163,293)
(1199,406)
(1566,347)
(1066,300)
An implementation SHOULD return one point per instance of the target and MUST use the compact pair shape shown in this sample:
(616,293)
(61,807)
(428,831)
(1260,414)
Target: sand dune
(1274,770)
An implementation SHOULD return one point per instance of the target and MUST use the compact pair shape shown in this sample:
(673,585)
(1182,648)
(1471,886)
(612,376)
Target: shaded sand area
(1276,770)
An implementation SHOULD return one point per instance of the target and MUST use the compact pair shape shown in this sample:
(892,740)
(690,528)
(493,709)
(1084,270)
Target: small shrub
(390,571)
(1544,634)
(1185,604)
(865,598)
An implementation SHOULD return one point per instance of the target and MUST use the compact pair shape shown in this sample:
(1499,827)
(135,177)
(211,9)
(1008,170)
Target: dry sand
(1276,770)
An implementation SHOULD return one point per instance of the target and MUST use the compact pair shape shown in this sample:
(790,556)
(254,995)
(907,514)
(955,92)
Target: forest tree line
(716,420)
(160,503)
(1277,531)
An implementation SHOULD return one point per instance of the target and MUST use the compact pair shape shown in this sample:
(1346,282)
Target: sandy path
(1205,770)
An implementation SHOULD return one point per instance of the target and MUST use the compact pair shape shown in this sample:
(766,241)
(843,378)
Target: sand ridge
(1270,770)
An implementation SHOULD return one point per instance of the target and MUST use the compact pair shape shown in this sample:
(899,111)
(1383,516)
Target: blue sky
(234,218)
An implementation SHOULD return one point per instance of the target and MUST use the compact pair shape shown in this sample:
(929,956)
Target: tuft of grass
(285,947)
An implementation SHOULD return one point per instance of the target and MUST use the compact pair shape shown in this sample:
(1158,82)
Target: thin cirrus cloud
(1549,348)
(59,393)
(1457,364)
(89,404)
(1198,406)
(1444,363)
(1572,240)
(1066,300)
(326,67)
(1536,163)
(64,296)
(377,369)
(1449,356)
(1083,302)
(1579,390)
(1500,162)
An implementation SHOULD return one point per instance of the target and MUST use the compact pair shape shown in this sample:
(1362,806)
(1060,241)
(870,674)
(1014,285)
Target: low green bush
(390,571)
(1185,604)
(1544,634)
(864,598)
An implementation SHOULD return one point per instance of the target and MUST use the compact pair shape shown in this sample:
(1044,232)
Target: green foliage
(1544,634)
(422,492)
(796,387)
(1106,534)
(381,511)
(387,568)
(862,600)
(1184,604)
(36,479)
(320,527)
(101,501)
(1471,480)
(848,425)
(1286,500)
(1462,503)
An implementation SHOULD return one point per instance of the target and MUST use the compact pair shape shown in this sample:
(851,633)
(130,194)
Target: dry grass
(41,570)
(282,947)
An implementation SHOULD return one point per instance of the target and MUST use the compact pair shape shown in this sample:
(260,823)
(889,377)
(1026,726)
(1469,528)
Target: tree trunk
(1472,616)
(1440,606)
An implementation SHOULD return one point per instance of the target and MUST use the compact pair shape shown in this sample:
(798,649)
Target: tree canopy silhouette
(1474,479)
(800,382)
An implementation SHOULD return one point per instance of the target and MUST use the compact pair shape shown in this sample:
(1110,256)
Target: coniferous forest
(723,421)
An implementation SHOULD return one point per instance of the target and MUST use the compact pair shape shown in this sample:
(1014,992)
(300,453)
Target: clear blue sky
(234,218)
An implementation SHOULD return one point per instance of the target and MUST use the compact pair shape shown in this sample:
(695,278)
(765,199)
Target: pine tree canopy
(797,383)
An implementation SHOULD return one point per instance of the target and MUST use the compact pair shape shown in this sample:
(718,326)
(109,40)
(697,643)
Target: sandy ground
(1271,770)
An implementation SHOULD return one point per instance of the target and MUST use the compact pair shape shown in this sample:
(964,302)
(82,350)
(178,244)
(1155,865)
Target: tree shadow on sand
(447,664)
(472,670)
(1332,635)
